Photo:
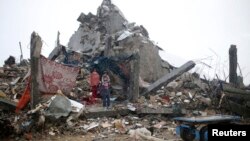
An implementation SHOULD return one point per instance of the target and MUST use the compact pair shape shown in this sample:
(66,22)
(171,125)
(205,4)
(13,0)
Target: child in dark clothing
(105,90)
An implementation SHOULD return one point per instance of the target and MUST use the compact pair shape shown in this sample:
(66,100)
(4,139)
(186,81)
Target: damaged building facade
(110,34)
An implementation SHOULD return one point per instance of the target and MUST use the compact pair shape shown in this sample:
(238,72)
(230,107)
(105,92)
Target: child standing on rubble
(105,90)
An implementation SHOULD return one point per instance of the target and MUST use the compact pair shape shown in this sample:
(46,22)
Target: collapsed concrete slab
(101,112)
(108,33)
(236,91)
(169,77)
(160,110)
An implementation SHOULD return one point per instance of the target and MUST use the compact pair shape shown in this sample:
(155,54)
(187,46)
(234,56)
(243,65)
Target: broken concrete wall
(150,63)
(112,17)
(109,23)
(85,40)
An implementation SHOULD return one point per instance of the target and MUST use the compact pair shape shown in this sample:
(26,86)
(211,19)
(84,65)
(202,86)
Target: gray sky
(189,29)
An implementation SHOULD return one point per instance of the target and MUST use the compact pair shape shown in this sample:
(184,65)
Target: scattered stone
(178,93)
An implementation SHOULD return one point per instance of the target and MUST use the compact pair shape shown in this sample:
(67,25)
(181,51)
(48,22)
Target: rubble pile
(109,33)
(82,88)
(12,81)
(175,93)
(189,91)
(186,93)
(107,128)
(12,84)
(107,41)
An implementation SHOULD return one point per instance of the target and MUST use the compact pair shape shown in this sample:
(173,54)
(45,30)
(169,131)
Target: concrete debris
(2,94)
(144,134)
(59,106)
(106,125)
(178,93)
(159,110)
(169,77)
(124,35)
(124,38)
(131,107)
(172,85)
(204,100)
(98,111)
(190,95)
(160,124)
(136,133)
(186,101)
(120,126)
(91,126)
(108,42)
(52,133)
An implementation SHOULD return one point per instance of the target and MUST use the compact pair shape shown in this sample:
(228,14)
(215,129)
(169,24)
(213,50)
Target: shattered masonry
(107,41)
(94,30)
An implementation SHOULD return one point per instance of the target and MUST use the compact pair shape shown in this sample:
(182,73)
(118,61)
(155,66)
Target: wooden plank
(169,77)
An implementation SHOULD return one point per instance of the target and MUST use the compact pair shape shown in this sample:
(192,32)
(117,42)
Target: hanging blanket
(53,76)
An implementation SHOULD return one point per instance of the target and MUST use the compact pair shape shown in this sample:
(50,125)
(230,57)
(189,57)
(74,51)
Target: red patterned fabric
(53,76)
